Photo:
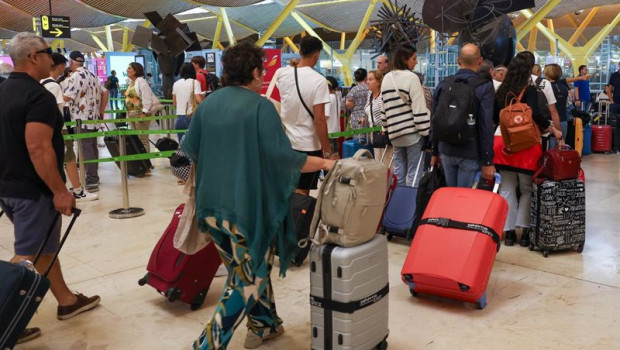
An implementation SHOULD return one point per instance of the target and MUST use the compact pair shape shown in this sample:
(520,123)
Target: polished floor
(566,301)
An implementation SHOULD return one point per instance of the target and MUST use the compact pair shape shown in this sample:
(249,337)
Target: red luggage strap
(445,222)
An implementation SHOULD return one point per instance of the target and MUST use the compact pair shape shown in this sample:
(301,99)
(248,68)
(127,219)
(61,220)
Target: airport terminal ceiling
(247,17)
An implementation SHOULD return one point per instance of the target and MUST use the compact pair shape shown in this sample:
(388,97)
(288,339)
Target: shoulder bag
(191,102)
(379,139)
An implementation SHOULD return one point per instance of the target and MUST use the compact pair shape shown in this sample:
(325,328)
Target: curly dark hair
(239,62)
(517,77)
(137,68)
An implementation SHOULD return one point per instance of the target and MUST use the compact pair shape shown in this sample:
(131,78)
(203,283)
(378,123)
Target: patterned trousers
(247,292)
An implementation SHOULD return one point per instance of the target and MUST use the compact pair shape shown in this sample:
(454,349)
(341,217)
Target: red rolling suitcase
(454,248)
(602,135)
(179,276)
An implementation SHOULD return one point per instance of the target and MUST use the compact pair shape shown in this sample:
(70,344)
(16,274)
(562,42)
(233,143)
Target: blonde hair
(378,75)
(553,71)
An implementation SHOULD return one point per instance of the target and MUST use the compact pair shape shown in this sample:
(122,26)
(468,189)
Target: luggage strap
(351,306)
(445,222)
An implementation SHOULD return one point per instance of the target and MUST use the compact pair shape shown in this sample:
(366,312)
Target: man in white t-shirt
(79,192)
(545,87)
(307,133)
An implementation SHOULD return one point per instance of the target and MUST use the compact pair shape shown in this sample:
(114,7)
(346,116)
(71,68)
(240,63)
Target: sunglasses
(46,50)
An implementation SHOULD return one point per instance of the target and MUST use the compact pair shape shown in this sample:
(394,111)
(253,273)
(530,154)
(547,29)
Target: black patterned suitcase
(22,290)
(558,216)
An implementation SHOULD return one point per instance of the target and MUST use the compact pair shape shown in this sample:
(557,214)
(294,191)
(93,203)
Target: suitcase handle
(76,212)
(497,180)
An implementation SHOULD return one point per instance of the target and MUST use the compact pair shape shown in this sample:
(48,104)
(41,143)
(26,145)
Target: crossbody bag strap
(299,93)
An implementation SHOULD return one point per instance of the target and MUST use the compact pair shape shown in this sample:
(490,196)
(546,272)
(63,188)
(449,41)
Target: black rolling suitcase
(133,145)
(22,290)
(558,216)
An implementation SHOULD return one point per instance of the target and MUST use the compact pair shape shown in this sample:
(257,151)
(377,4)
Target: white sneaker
(85,196)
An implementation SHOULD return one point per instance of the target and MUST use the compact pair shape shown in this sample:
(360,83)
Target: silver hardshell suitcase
(349,296)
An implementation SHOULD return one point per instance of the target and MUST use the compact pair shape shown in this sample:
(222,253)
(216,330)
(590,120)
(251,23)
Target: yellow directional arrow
(57,32)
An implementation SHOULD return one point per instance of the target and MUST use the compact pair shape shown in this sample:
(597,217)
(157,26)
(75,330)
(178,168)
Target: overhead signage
(56,27)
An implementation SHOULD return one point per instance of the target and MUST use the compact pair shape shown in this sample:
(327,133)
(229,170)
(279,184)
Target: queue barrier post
(126,211)
(82,173)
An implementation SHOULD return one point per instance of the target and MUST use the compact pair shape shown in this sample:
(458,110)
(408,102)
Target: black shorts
(309,181)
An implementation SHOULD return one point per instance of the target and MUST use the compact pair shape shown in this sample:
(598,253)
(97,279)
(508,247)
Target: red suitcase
(602,134)
(179,276)
(456,262)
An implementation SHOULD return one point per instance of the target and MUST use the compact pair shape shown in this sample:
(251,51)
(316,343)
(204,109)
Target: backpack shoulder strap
(47,81)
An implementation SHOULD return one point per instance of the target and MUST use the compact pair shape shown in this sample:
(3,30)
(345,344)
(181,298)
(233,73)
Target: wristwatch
(326,154)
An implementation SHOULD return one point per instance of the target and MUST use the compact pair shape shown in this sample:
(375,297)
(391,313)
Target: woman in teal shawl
(246,173)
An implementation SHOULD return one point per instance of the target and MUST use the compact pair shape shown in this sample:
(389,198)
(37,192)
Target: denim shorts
(32,220)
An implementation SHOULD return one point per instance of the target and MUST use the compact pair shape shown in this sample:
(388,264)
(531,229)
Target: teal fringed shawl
(246,170)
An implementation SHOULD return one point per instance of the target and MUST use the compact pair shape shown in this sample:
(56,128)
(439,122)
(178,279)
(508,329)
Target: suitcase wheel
(413,293)
(382,346)
(173,294)
(532,247)
(580,248)
(545,253)
(390,236)
(482,302)
(144,280)
(199,300)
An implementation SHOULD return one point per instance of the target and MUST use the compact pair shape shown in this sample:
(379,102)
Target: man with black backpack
(462,122)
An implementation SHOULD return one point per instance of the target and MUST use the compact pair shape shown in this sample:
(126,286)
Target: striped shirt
(405,109)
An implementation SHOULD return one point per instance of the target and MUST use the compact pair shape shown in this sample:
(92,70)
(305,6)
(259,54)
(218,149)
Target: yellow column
(535,19)
(229,32)
(433,42)
(343,41)
(218,31)
(552,46)
(531,44)
(277,22)
(583,26)
(99,42)
(290,43)
(108,36)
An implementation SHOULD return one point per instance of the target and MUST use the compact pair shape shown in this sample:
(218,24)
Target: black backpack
(108,83)
(213,82)
(455,116)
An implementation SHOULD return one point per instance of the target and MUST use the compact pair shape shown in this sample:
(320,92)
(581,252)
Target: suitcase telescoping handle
(76,212)
(497,180)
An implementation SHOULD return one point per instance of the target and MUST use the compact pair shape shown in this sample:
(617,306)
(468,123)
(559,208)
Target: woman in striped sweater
(406,117)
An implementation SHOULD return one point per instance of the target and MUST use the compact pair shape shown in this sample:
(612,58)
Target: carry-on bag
(133,145)
(302,209)
(559,163)
(431,181)
(350,147)
(23,290)
(574,136)
(587,140)
(179,276)
(602,134)
(558,215)
(400,212)
(349,296)
(454,248)
(164,144)
(350,201)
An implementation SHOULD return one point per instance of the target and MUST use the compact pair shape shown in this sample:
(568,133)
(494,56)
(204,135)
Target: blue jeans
(113,94)
(182,123)
(406,161)
(459,171)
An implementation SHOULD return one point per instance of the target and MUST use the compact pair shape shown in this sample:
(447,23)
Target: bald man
(383,64)
(461,159)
